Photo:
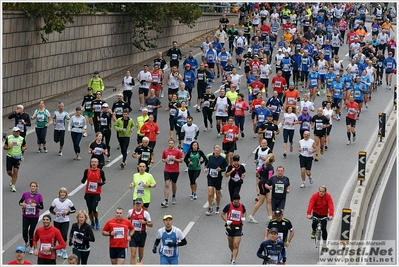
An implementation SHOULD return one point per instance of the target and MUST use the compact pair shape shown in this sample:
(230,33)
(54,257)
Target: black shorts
(139,138)
(143,91)
(171,176)
(305,162)
(253,114)
(92,202)
(234,230)
(276,116)
(265,82)
(117,253)
(172,123)
(320,133)
(211,65)
(229,147)
(138,239)
(172,91)
(201,87)
(215,182)
(359,101)
(350,122)
(262,188)
(220,118)
(247,69)
(278,203)
(59,136)
(12,163)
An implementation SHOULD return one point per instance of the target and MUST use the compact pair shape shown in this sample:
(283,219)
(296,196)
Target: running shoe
(164,204)
(318,93)
(218,135)
(255,135)
(349,143)
(198,110)
(303,185)
(316,158)
(141,108)
(186,169)
(285,155)
(78,157)
(324,248)
(354,139)
(10,182)
(365,104)
(27,245)
(59,254)
(209,211)
(162,95)
(64,254)
(206,130)
(211,125)
(291,148)
(321,150)
(326,146)
(108,159)
(98,225)
(217,210)
(122,165)
(338,118)
(310,179)
(60,153)
(313,235)
(218,75)
(242,135)
(194,196)
(239,67)
(13,189)
(39,150)
(92,225)
(233,262)
(45,149)
(85,134)
(174,201)
(31,251)
(251,219)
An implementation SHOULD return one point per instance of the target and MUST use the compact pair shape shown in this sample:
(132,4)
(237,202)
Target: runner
(145,79)
(172,157)
(306,148)
(170,238)
(157,80)
(98,149)
(15,146)
(261,115)
(193,163)
(274,104)
(329,113)
(236,172)
(142,184)
(88,112)
(95,178)
(263,173)
(230,134)
(61,207)
(21,120)
(180,118)
(140,219)
(44,242)
(153,103)
(338,91)
(80,237)
(234,214)
(217,164)
(127,84)
(31,203)
(42,116)
(319,126)
(140,122)
(280,187)
(96,83)
(97,106)
(353,112)
(283,225)
(119,231)
(59,118)
(222,107)
(77,127)
(239,108)
(289,121)
(124,126)
(145,154)
(272,251)
(269,130)
(150,130)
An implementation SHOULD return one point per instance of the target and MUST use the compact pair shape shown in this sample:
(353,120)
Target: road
(207,243)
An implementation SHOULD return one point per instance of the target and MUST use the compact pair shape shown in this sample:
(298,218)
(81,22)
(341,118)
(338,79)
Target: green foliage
(144,18)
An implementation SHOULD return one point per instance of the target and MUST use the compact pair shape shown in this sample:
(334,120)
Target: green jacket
(118,126)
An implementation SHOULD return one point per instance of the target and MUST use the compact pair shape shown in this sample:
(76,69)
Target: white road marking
(115,160)
(188,228)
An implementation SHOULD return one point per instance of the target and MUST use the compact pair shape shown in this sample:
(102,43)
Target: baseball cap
(78,108)
(168,216)
(96,72)
(292,83)
(270,115)
(390,53)
(205,65)
(278,212)
(208,86)
(120,94)
(20,248)
(144,109)
(89,89)
(233,85)
(138,200)
(105,105)
(16,129)
(20,106)
(188,65)
(280,50)
(274,229)
(249,49)
(305,108)
(256,55)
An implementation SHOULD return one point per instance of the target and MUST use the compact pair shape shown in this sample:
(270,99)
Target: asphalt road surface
(207,242)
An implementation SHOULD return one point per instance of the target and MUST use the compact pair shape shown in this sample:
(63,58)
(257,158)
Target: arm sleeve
(186,157)
(51,209)
(84,177)
(102,174)
(72,210)
(182,242)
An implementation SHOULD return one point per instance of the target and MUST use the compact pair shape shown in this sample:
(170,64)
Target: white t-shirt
(61,207)
(288,119)
(144,76)
(328,114)
(189,132)
(306,145)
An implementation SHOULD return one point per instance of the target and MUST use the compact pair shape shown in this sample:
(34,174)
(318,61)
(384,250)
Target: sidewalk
(113,85)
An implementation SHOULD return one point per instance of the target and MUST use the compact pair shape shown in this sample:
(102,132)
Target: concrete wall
(33,70)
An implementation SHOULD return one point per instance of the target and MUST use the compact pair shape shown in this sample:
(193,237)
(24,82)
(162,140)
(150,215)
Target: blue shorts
(337,102)
(117,253)
(239,50)
(186,147)
(168,260)
(322,78)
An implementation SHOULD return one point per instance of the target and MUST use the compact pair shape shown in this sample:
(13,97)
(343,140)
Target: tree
(55,15)
(143,17)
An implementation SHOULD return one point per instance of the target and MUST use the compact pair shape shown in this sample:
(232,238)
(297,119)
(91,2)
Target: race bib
(213,173)
(43,246)
(230,137)
(277,84)
(319,126)
(77,237)
(269,134)
(261,118)
(291,100)
(103,121)
(119,233)
(30,210)
(313,82)
(88,105)
(150,108)
(174,56)
(279,188)
(140,190)
(207,104)
(305,125)
(98,151)
(235,215)
(137,225)
(167,251)
(172,112)
(97,108)
(200,76)
(145,156)
(92,187)
(40,117)
(357,94)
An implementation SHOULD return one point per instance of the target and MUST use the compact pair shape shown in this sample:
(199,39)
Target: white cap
(105,105)
(280,50)
(144,109)
(249,49)
(20,106)
(15,129)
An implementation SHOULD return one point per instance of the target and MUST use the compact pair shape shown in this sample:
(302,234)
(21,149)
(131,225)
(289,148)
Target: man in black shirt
(224,21)
(144,154)
(279,185)
(232,33)
(269,130)
(120,105)
(283,225)
(175,54)
(319,126)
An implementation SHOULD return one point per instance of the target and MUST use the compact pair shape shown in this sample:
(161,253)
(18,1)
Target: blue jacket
(192,61)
